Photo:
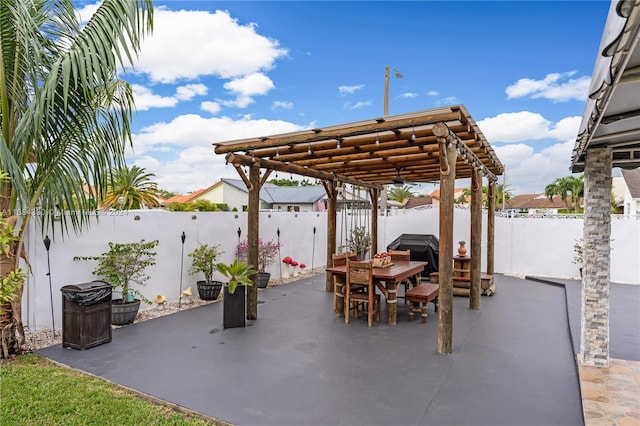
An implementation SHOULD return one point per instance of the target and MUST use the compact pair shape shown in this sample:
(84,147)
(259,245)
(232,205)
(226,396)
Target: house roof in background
(296,194)
(632,179)
(537,201)
(418,201)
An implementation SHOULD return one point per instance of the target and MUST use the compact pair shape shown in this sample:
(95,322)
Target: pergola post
(476,239)
(332,209)
(253,227)
(491,222)
(445,265)
(373,194)
(594,339)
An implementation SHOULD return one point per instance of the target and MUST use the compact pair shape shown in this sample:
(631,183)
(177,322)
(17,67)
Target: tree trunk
(10,321)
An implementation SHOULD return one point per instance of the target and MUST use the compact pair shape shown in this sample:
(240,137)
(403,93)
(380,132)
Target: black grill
(424,247)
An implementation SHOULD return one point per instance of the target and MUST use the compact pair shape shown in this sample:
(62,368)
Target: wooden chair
(340,280)
(402,255)
(361,273)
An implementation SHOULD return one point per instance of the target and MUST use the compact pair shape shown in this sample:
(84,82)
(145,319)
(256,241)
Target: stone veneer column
(594,342)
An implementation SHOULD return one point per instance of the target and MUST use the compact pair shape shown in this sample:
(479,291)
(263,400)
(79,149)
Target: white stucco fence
(523,246)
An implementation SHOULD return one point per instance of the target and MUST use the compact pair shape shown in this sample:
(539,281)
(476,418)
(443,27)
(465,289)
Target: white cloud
(528,172)
(282,105)
(145,99)
(188,92)
(408,95)
(349,90)
(87,12)
(526,125)
(211,107)
(188,44)
(192,163)
(447,101)
(433,93)
(247,86)
(357,105)
(558,87)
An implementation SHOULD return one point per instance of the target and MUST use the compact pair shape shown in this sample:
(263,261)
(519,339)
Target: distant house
(632,192)
(418,202)
(538,204)
(234,193)
(457,193)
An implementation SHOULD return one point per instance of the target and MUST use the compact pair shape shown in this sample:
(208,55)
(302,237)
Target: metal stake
(47,245)
(182,238)
(313,248)
(279,255)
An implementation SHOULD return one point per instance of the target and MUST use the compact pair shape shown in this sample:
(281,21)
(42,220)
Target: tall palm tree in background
(500,192)
(400,195)
(65,117)
(135,187)
(564,186)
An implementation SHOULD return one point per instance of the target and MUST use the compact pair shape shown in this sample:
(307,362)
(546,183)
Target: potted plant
(578,248)
(123,266)
(359,241)
(203,260)
(267,255)
(234,302)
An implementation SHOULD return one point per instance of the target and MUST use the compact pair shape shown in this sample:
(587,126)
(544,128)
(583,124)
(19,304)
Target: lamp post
(386,88)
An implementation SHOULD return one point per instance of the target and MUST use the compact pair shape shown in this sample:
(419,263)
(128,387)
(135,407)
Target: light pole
(386,88)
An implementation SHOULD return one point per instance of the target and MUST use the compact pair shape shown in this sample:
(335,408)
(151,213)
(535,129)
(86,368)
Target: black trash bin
(86,314)
(424,247)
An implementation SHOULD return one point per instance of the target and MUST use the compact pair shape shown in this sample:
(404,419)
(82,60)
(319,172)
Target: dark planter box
(234,307)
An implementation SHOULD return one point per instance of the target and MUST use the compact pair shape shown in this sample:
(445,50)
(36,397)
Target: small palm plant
(237,273)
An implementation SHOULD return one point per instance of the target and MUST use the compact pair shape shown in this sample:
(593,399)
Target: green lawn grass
(34,391)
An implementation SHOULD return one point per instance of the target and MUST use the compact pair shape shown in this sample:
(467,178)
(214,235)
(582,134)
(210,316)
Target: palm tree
(564,186)
(499,193)
(65,116)
(135,187)
(400,194)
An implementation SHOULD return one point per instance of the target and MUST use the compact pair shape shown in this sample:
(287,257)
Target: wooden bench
(419,296)
(461,284)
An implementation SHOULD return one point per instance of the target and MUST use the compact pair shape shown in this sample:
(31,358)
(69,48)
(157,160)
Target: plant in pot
(124,266)
(203,260)
(234,302)
(359,241)
(578,249)
(267,255)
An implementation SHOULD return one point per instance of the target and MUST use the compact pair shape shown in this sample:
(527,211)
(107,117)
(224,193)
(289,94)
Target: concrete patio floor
(512,363)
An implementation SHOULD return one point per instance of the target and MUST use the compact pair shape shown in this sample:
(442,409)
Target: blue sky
(215,71)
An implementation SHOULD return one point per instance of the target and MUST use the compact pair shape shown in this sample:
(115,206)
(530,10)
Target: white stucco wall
(523,246)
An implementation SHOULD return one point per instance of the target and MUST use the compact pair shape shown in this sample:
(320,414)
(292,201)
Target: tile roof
(537,201)
(418,201)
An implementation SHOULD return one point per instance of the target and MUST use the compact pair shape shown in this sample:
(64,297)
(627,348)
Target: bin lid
(82,287)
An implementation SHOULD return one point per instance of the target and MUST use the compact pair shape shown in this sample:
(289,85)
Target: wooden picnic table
(391,276)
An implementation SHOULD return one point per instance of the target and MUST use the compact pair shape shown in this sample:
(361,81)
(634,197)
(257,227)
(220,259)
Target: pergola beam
(246,160)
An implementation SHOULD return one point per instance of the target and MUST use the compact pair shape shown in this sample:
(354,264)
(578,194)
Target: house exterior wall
(298,207)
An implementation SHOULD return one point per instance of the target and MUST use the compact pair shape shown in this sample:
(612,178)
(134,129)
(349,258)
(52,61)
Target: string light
(309,150)
(277,152)
(413,133)
(338,143)
(377,139)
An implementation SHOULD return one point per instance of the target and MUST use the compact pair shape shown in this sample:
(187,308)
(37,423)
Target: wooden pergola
(442,144)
